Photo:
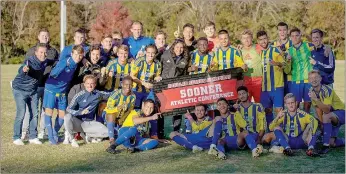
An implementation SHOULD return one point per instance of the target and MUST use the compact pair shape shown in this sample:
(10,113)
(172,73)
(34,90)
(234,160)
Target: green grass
(166,158)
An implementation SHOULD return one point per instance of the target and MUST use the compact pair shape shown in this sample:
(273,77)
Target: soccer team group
(105,91)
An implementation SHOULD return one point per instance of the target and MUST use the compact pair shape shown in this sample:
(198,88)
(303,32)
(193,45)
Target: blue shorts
(254,136)
(52,100)
(232,142)
(270,98)
(301,90)
(297,142)
(340,114)
(140,97)
(199,140)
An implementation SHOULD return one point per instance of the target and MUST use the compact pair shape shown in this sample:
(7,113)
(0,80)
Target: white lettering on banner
(211,97)
(199,81)
(202,90)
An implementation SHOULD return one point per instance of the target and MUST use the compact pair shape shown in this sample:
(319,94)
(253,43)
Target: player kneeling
(135,129)
(198,140)
(293,129)
(227,132)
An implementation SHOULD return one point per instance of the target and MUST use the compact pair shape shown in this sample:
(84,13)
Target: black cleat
(288,152)
(111,149)
(132,150)
(324,150)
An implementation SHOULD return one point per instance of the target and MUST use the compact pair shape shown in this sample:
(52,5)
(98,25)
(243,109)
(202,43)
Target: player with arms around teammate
(200,59)
(136,126)
(198,139)
(330,110)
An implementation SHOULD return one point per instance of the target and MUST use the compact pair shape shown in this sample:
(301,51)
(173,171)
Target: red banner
(191,95)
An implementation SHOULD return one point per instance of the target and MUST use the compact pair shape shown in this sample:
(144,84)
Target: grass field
(166,158)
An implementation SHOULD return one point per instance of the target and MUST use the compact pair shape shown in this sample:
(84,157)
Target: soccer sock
(126,135)
(110,127)
(217,132)
(269,118)
(48,125)
(147,146)
(335,131)
(312,142)
(281,138)
(58,123)
(221,148)
(339,142)
(274,143)
(182,141)
(327,130)
(250,142)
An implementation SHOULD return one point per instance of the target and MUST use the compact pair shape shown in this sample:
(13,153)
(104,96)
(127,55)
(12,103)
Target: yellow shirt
(196,127)
(328,97)
(227,59)
(254,116)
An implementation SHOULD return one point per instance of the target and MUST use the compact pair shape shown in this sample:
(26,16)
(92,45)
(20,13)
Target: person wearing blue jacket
(325,64)
(24,87)
(81,112)
(79,39)
(56,88)
(137,42)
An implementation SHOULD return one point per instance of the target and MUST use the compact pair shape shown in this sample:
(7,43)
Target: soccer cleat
(111,149)
(288,152)
(312,153)
(196,149)
(276,149)
(18,142)
(74,143)
(324,150)
(221,155)
(256,152)
(213,150)
(35,141)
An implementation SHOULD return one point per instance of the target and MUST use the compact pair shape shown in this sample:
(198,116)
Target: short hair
(80,30)
(78,48)
(316,30)
(151,46)
(117,32)
(222,99)
(137,22)
(106,36)
(208,24)
(123,47)
(223,32)
(315,72)
(95,47)
(188,25)
(261,33)
(282,24)
(40,45)
(149,101)
(43,30)
(127,78)
(241,88)
(295,29)
(201,104)
(289,95)
(89,76)
(160,32)
(202,38)
(247,32)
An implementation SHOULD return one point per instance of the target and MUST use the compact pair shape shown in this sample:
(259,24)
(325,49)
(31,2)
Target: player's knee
(327,117)
(173,134)
(278,128)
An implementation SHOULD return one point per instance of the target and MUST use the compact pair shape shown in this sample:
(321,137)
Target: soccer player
(119,106)
(330,110)
(301,66)
(52,58)
(230,131)
(117,69)
(294,128)
(106,50)
(273,82)
(189,39)
(79,39)
(56,88)
(24,87)
(81,113)
(325,64)
(252,77)
(197,140)
(143,72)
(137,42)
(253,113)
(213,41)
(137,126)
(226,56)
(200,60)
(117,40)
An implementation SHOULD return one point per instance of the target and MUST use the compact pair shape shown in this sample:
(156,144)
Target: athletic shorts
(297,142)
(340,114)
(54,100)
(270,98)
(300,89)
(140,97)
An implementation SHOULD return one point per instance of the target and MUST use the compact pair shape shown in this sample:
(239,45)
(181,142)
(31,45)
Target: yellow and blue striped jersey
(202,62)
(254,116)
(273,76)
(144,72)
(328,97)
(301,65)
(199,126)
(227,59)
(120,105)
(119,72)
(284,47)
(294,125)
(231,124)
(143,128)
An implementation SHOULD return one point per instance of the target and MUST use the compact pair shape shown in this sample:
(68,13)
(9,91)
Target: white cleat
(35,141)
(74,143)
(196,149)
(276,149)
(18,142)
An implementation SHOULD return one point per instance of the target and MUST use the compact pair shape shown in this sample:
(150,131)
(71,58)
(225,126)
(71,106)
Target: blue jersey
(104,58)
(86,100)
(136,45)
(61,75)
(66,52)
(326,65)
